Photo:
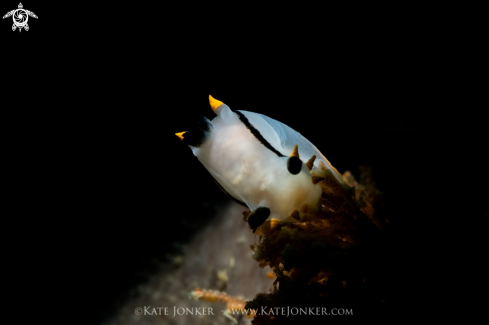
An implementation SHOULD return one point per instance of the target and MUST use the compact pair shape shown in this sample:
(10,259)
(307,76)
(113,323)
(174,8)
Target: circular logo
(20,17)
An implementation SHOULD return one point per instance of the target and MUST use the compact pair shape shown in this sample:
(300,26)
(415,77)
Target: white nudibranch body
(247,154)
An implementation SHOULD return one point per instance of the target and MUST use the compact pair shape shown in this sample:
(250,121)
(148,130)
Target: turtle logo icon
(20,17)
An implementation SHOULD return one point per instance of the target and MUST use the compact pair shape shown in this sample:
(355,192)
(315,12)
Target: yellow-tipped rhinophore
(214,103)
(180,135)
(295,153)
(310,163)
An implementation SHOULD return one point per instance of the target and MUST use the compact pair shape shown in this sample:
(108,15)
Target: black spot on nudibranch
(258,216)
(257,133)
(294,165)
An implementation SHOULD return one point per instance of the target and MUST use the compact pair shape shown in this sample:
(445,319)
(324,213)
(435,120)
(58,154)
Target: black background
(98,188)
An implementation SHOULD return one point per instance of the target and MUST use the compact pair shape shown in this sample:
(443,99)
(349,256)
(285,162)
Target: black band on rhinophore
(202,122)
(194,137)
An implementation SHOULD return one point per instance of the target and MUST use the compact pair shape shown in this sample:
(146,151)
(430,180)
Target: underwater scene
(258,164)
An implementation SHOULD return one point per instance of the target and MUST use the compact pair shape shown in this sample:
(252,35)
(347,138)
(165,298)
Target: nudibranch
(258,162)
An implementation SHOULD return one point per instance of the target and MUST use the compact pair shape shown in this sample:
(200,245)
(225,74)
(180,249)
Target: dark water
(102,192)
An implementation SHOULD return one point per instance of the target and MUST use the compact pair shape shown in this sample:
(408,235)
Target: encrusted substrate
(337,258)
